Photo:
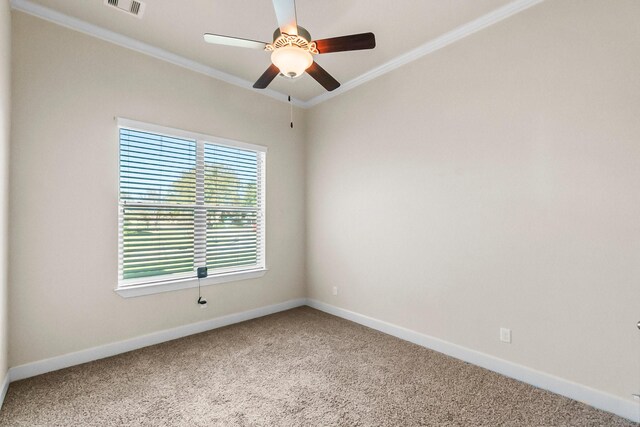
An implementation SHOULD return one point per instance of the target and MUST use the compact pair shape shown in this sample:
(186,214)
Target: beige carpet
(297,368)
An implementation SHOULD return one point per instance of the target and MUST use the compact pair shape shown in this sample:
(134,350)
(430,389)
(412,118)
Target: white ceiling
(177,26)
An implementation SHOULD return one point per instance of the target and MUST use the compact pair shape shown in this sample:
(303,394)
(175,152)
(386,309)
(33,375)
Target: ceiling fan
(292,49)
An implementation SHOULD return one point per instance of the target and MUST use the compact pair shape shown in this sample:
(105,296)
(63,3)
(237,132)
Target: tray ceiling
(178,26)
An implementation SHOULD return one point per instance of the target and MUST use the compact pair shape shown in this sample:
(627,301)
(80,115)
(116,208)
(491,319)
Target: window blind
(187,203)
(157,241)
(231,190)
(157,168)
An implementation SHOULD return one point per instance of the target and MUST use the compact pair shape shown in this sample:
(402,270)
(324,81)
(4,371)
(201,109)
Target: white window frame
(152,285)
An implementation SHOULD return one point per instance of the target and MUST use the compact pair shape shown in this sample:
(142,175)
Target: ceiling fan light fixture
(292,49)
(292,61)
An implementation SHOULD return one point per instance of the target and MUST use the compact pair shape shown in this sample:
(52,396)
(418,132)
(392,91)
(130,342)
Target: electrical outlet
(335,290)
(505,335)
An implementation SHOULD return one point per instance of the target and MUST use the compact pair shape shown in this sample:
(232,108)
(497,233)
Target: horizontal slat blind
(231,176)
(186,203)
(156,241)
(157,177)
(157,168)
(232,239)
(233,199)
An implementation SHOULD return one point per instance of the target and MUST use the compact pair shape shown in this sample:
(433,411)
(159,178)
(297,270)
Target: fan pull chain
(291,109)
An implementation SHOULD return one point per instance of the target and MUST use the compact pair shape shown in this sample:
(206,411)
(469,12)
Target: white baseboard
(5,387)
(71,359)
(598,399)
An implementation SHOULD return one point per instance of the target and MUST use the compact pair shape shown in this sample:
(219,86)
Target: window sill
(176,285)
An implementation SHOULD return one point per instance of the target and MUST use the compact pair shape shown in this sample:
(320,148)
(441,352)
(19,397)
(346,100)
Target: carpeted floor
(296,368)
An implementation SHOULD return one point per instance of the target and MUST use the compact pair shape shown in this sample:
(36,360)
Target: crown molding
(438,43)
(76,24)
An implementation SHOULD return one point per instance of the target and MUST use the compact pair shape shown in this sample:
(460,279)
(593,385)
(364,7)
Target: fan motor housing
(302,32)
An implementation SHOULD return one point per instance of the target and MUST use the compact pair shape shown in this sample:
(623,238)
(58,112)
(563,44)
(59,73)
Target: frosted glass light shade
(291,60)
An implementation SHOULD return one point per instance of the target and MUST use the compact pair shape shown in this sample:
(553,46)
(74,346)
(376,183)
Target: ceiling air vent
(132,7)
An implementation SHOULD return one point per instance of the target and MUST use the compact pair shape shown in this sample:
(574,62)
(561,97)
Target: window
(187,201)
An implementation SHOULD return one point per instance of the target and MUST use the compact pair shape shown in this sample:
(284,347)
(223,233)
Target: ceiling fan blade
(344,43)
(286,16)
(234,41)
(267,77)
(322,77)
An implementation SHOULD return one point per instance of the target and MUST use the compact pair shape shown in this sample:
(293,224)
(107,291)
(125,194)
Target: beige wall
(494,183)
(5,106)
(64,187)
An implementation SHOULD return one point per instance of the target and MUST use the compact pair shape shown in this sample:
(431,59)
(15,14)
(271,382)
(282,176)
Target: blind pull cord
(202,272)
